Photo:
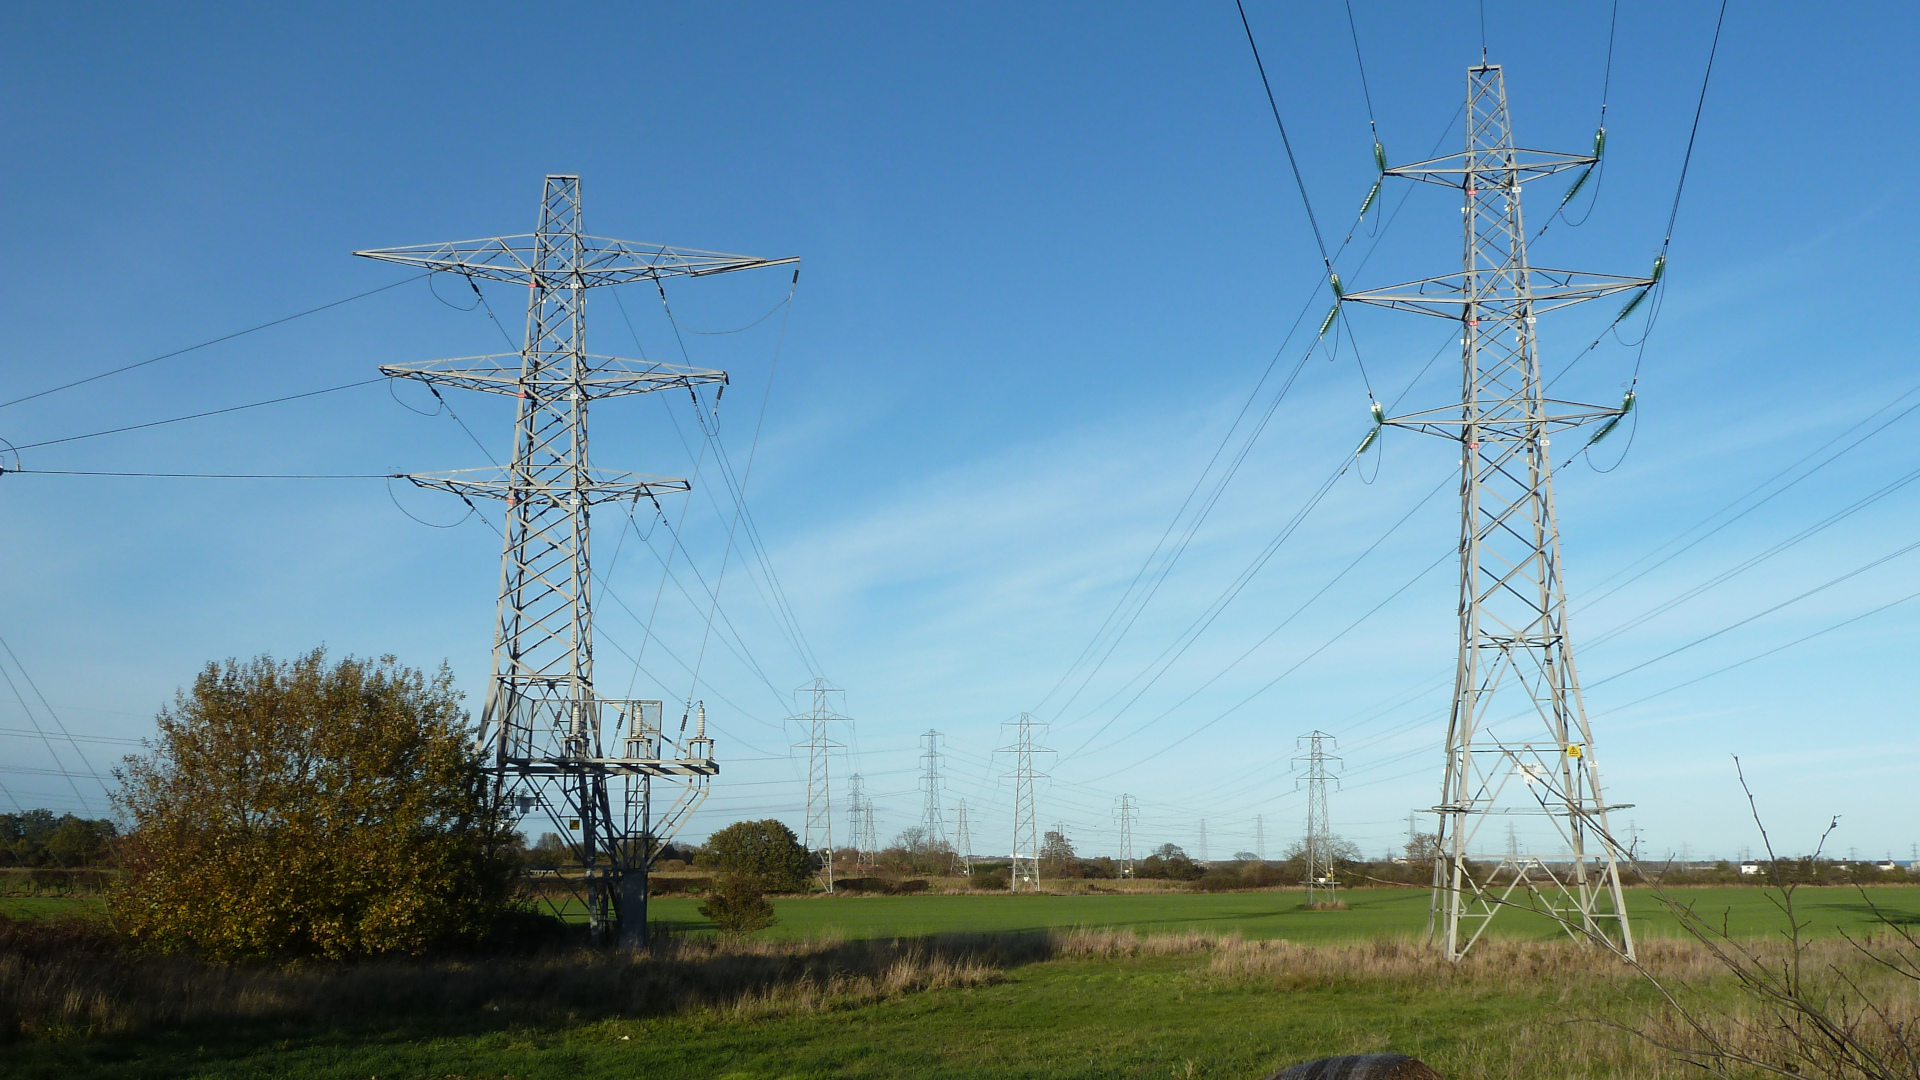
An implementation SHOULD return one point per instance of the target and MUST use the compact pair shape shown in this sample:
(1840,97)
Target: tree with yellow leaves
(301,808)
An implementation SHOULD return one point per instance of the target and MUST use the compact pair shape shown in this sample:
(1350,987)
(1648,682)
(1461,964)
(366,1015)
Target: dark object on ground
(1359,1067)
(682,886)
(884,886)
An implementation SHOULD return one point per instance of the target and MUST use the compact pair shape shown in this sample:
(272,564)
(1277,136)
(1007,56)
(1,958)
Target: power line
(1213,497)
(204,476)
(1848,576)
(209,341)
(1686,160)
(1298,180)
(198,415)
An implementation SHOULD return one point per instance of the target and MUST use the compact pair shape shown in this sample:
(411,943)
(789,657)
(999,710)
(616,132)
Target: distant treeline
(41,838)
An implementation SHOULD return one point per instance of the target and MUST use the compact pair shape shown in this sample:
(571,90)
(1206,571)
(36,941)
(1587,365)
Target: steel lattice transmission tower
(963,840)
(819,824)
(1260,837)
(859,823)
(1203,841)
(1321,883)
(553,743)
(1126,812)
(1025,870)
(932,822)
(1514,656)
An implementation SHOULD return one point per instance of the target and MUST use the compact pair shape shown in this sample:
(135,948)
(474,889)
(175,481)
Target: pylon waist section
(506,373)
(601,261)
(1494,291)
(614,766)
(553,484)
(1453,170)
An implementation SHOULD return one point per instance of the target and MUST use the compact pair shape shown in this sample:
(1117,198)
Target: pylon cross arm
(1453,169)
(1490,426)
(1451,296)
(506,373)
(597,486)
(599,260)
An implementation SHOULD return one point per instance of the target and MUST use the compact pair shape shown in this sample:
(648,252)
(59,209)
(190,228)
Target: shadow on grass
(71,980)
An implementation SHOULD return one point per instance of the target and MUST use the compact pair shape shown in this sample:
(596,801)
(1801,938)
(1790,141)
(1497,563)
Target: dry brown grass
(1610,1018)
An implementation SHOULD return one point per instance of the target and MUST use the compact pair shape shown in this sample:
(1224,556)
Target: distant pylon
(551,743)
(857,822)
(1126,811)
(962,841)
(931,821)
(1260,837)
(1322,885)
(819,826)
(1025,871)
(1203,841)
(869,845)
(1514,655)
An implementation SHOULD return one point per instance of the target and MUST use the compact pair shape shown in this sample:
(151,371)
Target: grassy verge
(1083,1004)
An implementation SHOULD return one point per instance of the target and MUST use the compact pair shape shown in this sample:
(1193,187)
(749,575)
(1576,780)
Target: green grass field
(1156,1018)
(40,907)
(1372,913)
(1135,1017)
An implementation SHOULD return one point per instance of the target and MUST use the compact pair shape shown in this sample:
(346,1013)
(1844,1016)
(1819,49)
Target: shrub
(738,907)
(306,809)
(764,852)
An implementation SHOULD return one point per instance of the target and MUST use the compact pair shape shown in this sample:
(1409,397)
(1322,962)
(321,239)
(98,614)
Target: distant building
(1751,867)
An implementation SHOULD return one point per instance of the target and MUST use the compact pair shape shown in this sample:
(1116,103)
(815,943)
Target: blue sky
(1048,254)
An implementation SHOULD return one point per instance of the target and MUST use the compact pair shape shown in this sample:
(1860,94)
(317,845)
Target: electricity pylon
(1025,870)
(857,822)
(1513,644)
(1322,886)
(931,821)
(819,824)
(860,826)
(963,841)
(1203,841)
(544,727)
(1260,837)
(1126,811)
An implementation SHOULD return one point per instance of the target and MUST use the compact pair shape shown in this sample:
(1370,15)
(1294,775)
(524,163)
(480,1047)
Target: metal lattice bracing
(962,841)
(1126,813)
(1024,873)
(1515,662)
(819,824)
(932,821)
(1322,885)
(555,746)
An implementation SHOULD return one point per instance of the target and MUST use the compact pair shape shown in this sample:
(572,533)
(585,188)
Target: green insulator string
(1379,421)
(1606,429)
